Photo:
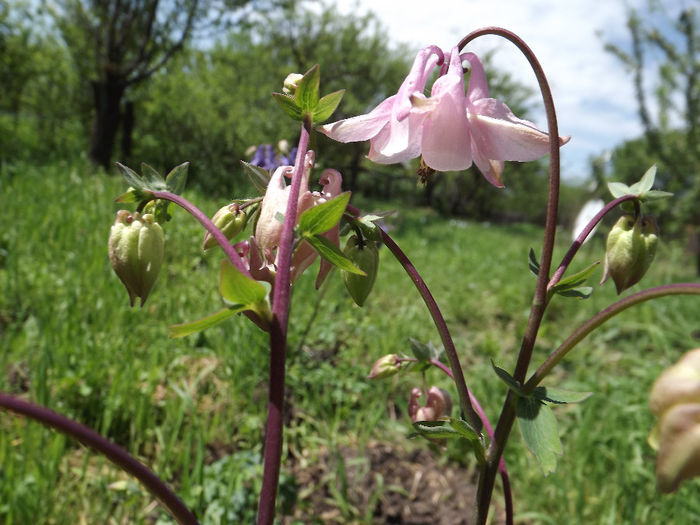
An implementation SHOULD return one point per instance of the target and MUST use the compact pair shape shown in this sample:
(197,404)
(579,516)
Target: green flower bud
(230,220)
(385,367)
(136,249)
(630,249)
(366,257)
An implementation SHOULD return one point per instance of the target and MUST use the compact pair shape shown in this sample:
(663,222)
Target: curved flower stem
(458,375)
(601,317)
(566,261)
(281,295)
(205,221)
(505,422)
(114,453)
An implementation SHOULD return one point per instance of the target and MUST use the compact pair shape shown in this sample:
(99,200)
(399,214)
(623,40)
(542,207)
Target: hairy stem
(504,425)
(281,295)
(114,453)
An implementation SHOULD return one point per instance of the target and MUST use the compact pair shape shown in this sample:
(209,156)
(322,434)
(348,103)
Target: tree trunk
(127,130)
(107,99)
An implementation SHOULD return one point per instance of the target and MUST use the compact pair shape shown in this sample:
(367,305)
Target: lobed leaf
(326,106)
(177,178)
(538,426)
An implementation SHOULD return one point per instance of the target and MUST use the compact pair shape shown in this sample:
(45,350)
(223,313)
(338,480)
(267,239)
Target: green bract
(630,249)
(136,249)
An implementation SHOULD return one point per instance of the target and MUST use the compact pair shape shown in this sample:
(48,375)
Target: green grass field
(193,409)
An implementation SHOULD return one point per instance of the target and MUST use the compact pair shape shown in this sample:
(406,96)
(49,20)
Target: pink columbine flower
(450,129)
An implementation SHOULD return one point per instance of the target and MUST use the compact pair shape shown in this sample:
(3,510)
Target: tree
(672,135)
(117,44)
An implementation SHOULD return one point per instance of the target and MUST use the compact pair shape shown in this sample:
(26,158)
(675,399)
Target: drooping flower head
(450,129)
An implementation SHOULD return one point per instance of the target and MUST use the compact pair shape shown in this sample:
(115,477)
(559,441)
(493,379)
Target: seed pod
(230,220)
(630,249)
(366,257)
(136,250)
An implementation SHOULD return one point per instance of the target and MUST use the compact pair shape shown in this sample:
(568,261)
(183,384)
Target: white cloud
(593,92)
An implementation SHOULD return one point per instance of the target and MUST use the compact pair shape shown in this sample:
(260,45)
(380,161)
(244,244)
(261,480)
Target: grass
(194,409)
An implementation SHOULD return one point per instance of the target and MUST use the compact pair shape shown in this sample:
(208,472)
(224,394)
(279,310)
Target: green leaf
(289,105)
(368,228)
(538,427)
(331,253)
(132,178)
(185,329)
(260,177)
(239,289)
(581,292)
(420,350)
(177,178)
(326,106)
(559,395)
(618,189)
(645,183)
(464,429)
(153,180)
(571,286)
(306,94)
(435,429)
(133,195)
(514,385)
(532,262)
(655,195)
(319,219)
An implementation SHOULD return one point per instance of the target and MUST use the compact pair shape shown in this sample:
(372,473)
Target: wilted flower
(274,205)
(450,129)
(136,250)
(675,401)
(438,404)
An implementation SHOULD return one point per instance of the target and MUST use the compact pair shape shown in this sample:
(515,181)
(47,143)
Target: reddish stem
(281,295)
(114,453)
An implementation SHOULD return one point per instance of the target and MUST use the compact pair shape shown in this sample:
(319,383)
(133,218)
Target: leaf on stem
(185,329)
(260,177)
(177,178)
(508,379)
(332,254)
(538,426)
(319,219)
(559,395)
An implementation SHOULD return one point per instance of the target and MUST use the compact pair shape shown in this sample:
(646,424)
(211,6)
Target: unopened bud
(230,220)
(675,400)
(291,83)
(630,249)
(136,250)
(366,258)
(385,366)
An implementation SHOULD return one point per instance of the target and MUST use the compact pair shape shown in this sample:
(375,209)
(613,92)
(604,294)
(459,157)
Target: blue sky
(593,92)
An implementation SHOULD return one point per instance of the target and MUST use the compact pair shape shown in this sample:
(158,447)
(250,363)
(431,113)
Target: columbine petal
(445,143)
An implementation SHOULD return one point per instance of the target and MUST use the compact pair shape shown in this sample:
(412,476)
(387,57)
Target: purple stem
(601,317)
(215,232)
(505,422)
(566,261)
(278,339)
(114,453)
